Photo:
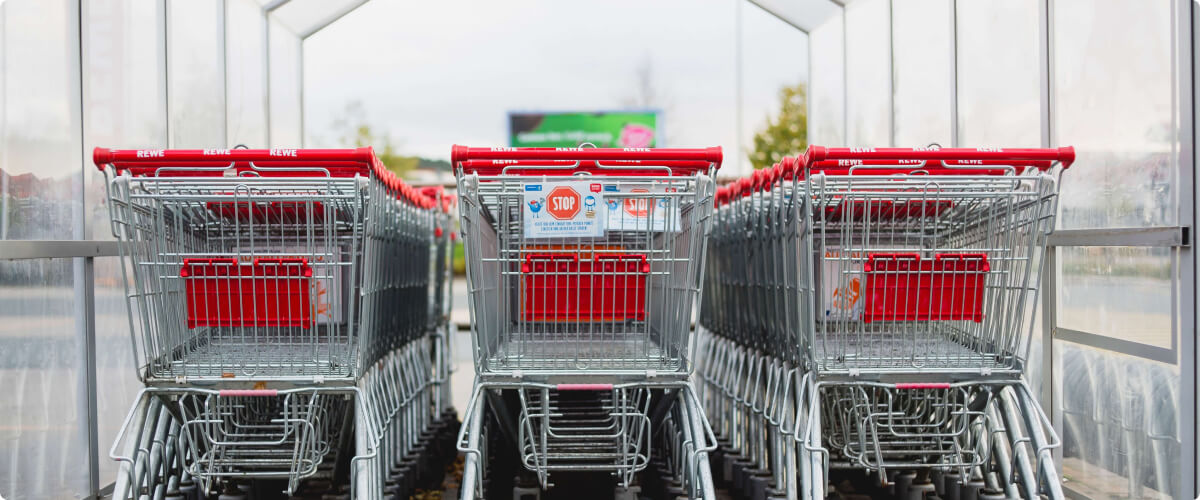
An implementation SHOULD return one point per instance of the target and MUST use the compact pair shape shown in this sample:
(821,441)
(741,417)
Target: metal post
(85,315)
(1049,294)
(1188,46)
(737,72)
(954,73)
(891,79)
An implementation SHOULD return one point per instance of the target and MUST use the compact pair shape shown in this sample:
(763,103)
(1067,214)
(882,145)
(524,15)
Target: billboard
(615,129)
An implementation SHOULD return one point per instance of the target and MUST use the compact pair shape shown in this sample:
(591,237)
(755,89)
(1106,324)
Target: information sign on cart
(637,209)
(563,209)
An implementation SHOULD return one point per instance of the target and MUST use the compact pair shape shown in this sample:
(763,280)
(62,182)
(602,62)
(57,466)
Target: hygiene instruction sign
(572,209)
(636,208)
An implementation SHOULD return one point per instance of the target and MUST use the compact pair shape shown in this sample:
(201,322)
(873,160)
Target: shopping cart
(221,437)
(282,264)
(416,429)
(990,435)
(925,260)
(583,265)
(212,441)
(593,427)
(583,260)
(872,306)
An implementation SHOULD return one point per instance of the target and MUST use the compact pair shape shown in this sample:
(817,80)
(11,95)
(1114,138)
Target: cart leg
(472,477)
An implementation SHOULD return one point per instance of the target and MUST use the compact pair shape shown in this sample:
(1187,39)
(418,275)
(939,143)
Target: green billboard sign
(616,129)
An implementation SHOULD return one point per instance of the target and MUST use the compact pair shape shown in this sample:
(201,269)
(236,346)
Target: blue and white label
(573,209)
(645,207)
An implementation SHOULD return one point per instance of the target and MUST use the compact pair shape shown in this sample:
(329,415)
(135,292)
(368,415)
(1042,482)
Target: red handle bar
(545,167)
(703,157)
(839,161)
(814,154)
(275,162)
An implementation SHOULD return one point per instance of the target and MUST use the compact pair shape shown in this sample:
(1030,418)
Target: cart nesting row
(870,309)
(583,266)
(288,311)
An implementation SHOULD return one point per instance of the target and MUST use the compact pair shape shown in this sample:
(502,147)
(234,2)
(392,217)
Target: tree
(645,93)
(787,135)
(355,132)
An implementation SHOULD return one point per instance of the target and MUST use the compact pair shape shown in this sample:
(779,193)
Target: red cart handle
(548,167)
(127,159)
(279,162)
(1063,155)
(705,157)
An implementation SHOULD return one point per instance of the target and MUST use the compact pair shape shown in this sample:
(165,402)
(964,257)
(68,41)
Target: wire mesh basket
(887,260)
(268,264)
(583,260)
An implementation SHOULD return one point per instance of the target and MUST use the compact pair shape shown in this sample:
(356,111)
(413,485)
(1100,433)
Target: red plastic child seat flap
(268,292)
(559,287)
(906,287)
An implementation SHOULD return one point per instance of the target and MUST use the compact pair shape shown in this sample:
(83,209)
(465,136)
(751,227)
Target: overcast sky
(432,74)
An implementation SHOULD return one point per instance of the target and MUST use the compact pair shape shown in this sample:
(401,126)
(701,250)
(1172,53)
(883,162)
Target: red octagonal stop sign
(562,203)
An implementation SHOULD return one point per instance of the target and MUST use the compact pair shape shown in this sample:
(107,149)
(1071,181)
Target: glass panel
(1120,431)
(827,112)
(775,55)
(117,383)
(40,129)
(868,73)
(1114,100)
(125,107)
(921,73)
(246,73)
(196,79)
(286,79)
(594,63)
(124,91)
(42,441)
(1121,292)
(998,103)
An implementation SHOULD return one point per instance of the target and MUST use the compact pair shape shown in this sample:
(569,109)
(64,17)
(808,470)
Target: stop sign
(638,207)
(562,203)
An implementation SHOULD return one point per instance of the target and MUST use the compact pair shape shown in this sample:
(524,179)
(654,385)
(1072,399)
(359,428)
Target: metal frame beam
(56,249)
(1168,236)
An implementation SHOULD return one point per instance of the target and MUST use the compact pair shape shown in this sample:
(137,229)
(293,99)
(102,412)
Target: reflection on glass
(195,72)
(1114,98)
(1120,433)
(998,102)
(286,78)
(921,74)
(39,121)
(41,441)
(868,71)
(826,114)
(116,375)
(246,73)
(1117,291)
(124,95)
(124,107)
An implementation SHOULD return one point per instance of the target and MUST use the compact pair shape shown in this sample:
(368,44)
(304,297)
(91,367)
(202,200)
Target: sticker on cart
(638,209)
(563,209)
(841,286)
